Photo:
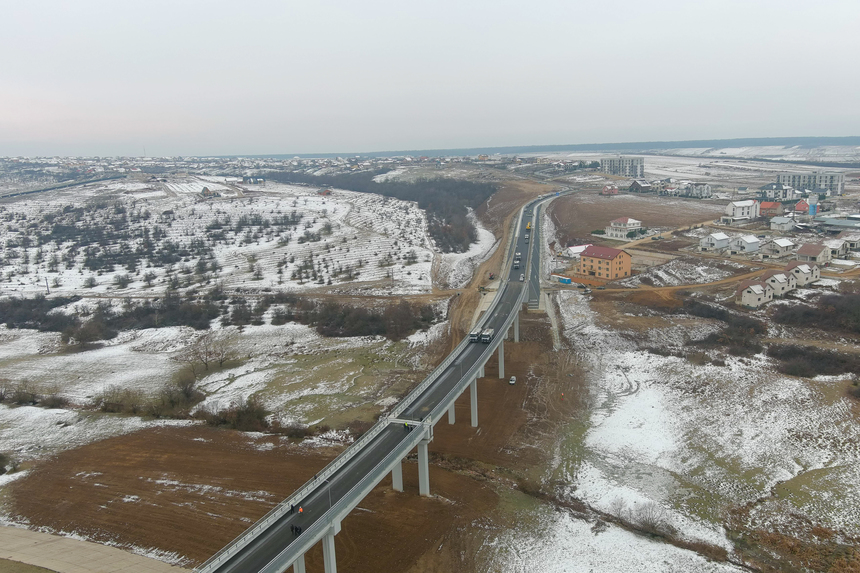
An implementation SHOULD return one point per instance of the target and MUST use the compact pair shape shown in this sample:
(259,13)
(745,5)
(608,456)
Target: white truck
(487,335)
(475,335)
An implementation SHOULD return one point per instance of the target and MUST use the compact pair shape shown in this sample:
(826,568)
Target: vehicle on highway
(513,380)
(487,335)
(475,335)
(516,265)
(527,237)
(518,255)
(522,277)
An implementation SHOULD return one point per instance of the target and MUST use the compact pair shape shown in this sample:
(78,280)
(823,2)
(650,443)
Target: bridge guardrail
(279,510)
(369,481)
(455,392)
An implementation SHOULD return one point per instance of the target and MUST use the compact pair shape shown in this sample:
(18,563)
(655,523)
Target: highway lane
(277,537)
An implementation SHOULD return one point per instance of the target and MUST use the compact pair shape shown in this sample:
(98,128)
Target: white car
(513,380)
(522,278)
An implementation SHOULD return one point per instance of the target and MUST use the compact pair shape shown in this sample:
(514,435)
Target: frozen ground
(696,440)
(682,271)
(347,239)
(563,544)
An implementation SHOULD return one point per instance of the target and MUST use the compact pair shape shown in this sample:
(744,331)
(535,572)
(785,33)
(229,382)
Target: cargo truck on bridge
(487,335)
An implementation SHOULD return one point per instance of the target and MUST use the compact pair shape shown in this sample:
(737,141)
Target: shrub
(4,461)
(833,312)
(248,415)
(598,232)
(23,395)
(54,401)
(809,361)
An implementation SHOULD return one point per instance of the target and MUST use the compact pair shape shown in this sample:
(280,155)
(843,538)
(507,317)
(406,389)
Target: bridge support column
(423,469)
(481,372)
(451,414)
(299,564)
(328,553)
(517,327)
(502,360)
(473,396)
(397,476)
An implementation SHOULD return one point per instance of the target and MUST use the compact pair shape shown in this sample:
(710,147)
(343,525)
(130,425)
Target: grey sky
(110,77)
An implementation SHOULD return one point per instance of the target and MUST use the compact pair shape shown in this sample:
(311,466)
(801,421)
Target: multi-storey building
(623,166)
(604,263)
(835,182)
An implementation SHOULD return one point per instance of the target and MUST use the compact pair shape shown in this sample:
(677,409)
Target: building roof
(811,249)
(784,243)
(834,243)
(770,205)
(719,236)
(746,203)
(625,220)
(781,220)
(575,251)
(607,253)
(849,235)
(757,287)
(748,239)
(773,187)
(775,274)
(805,268)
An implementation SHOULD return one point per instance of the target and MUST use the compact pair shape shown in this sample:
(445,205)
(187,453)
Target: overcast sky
(181,77)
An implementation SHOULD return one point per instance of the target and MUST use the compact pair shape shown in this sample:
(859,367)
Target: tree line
(446,201)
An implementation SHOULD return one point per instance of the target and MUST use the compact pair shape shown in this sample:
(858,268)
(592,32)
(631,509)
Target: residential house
(806,207)
(771,209)
(776,248)
(838,248)
(813,253)
(851,238)
(753,294)
(575,251)
(742,211)
(782,282)
(609,190)
(782,224)
(669,191)
(714,241)
(604,263)
(804,272)
(699,190)
(640,186)
(779,192)
(619,228)
(744,244)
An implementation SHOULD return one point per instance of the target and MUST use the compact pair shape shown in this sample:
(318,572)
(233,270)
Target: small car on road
(513,380)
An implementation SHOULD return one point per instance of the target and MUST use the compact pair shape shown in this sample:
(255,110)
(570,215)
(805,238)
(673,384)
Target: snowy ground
(682,271)
(695,440)
(364,239)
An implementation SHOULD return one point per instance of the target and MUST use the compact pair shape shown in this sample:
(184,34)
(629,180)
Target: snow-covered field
(682,271)
(344,239)
(696,441)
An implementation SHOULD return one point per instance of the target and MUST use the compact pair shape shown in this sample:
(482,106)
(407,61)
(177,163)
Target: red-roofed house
(609,190)
(604,263)
(813,253)
(771,209)
(753,294)
(619,228)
